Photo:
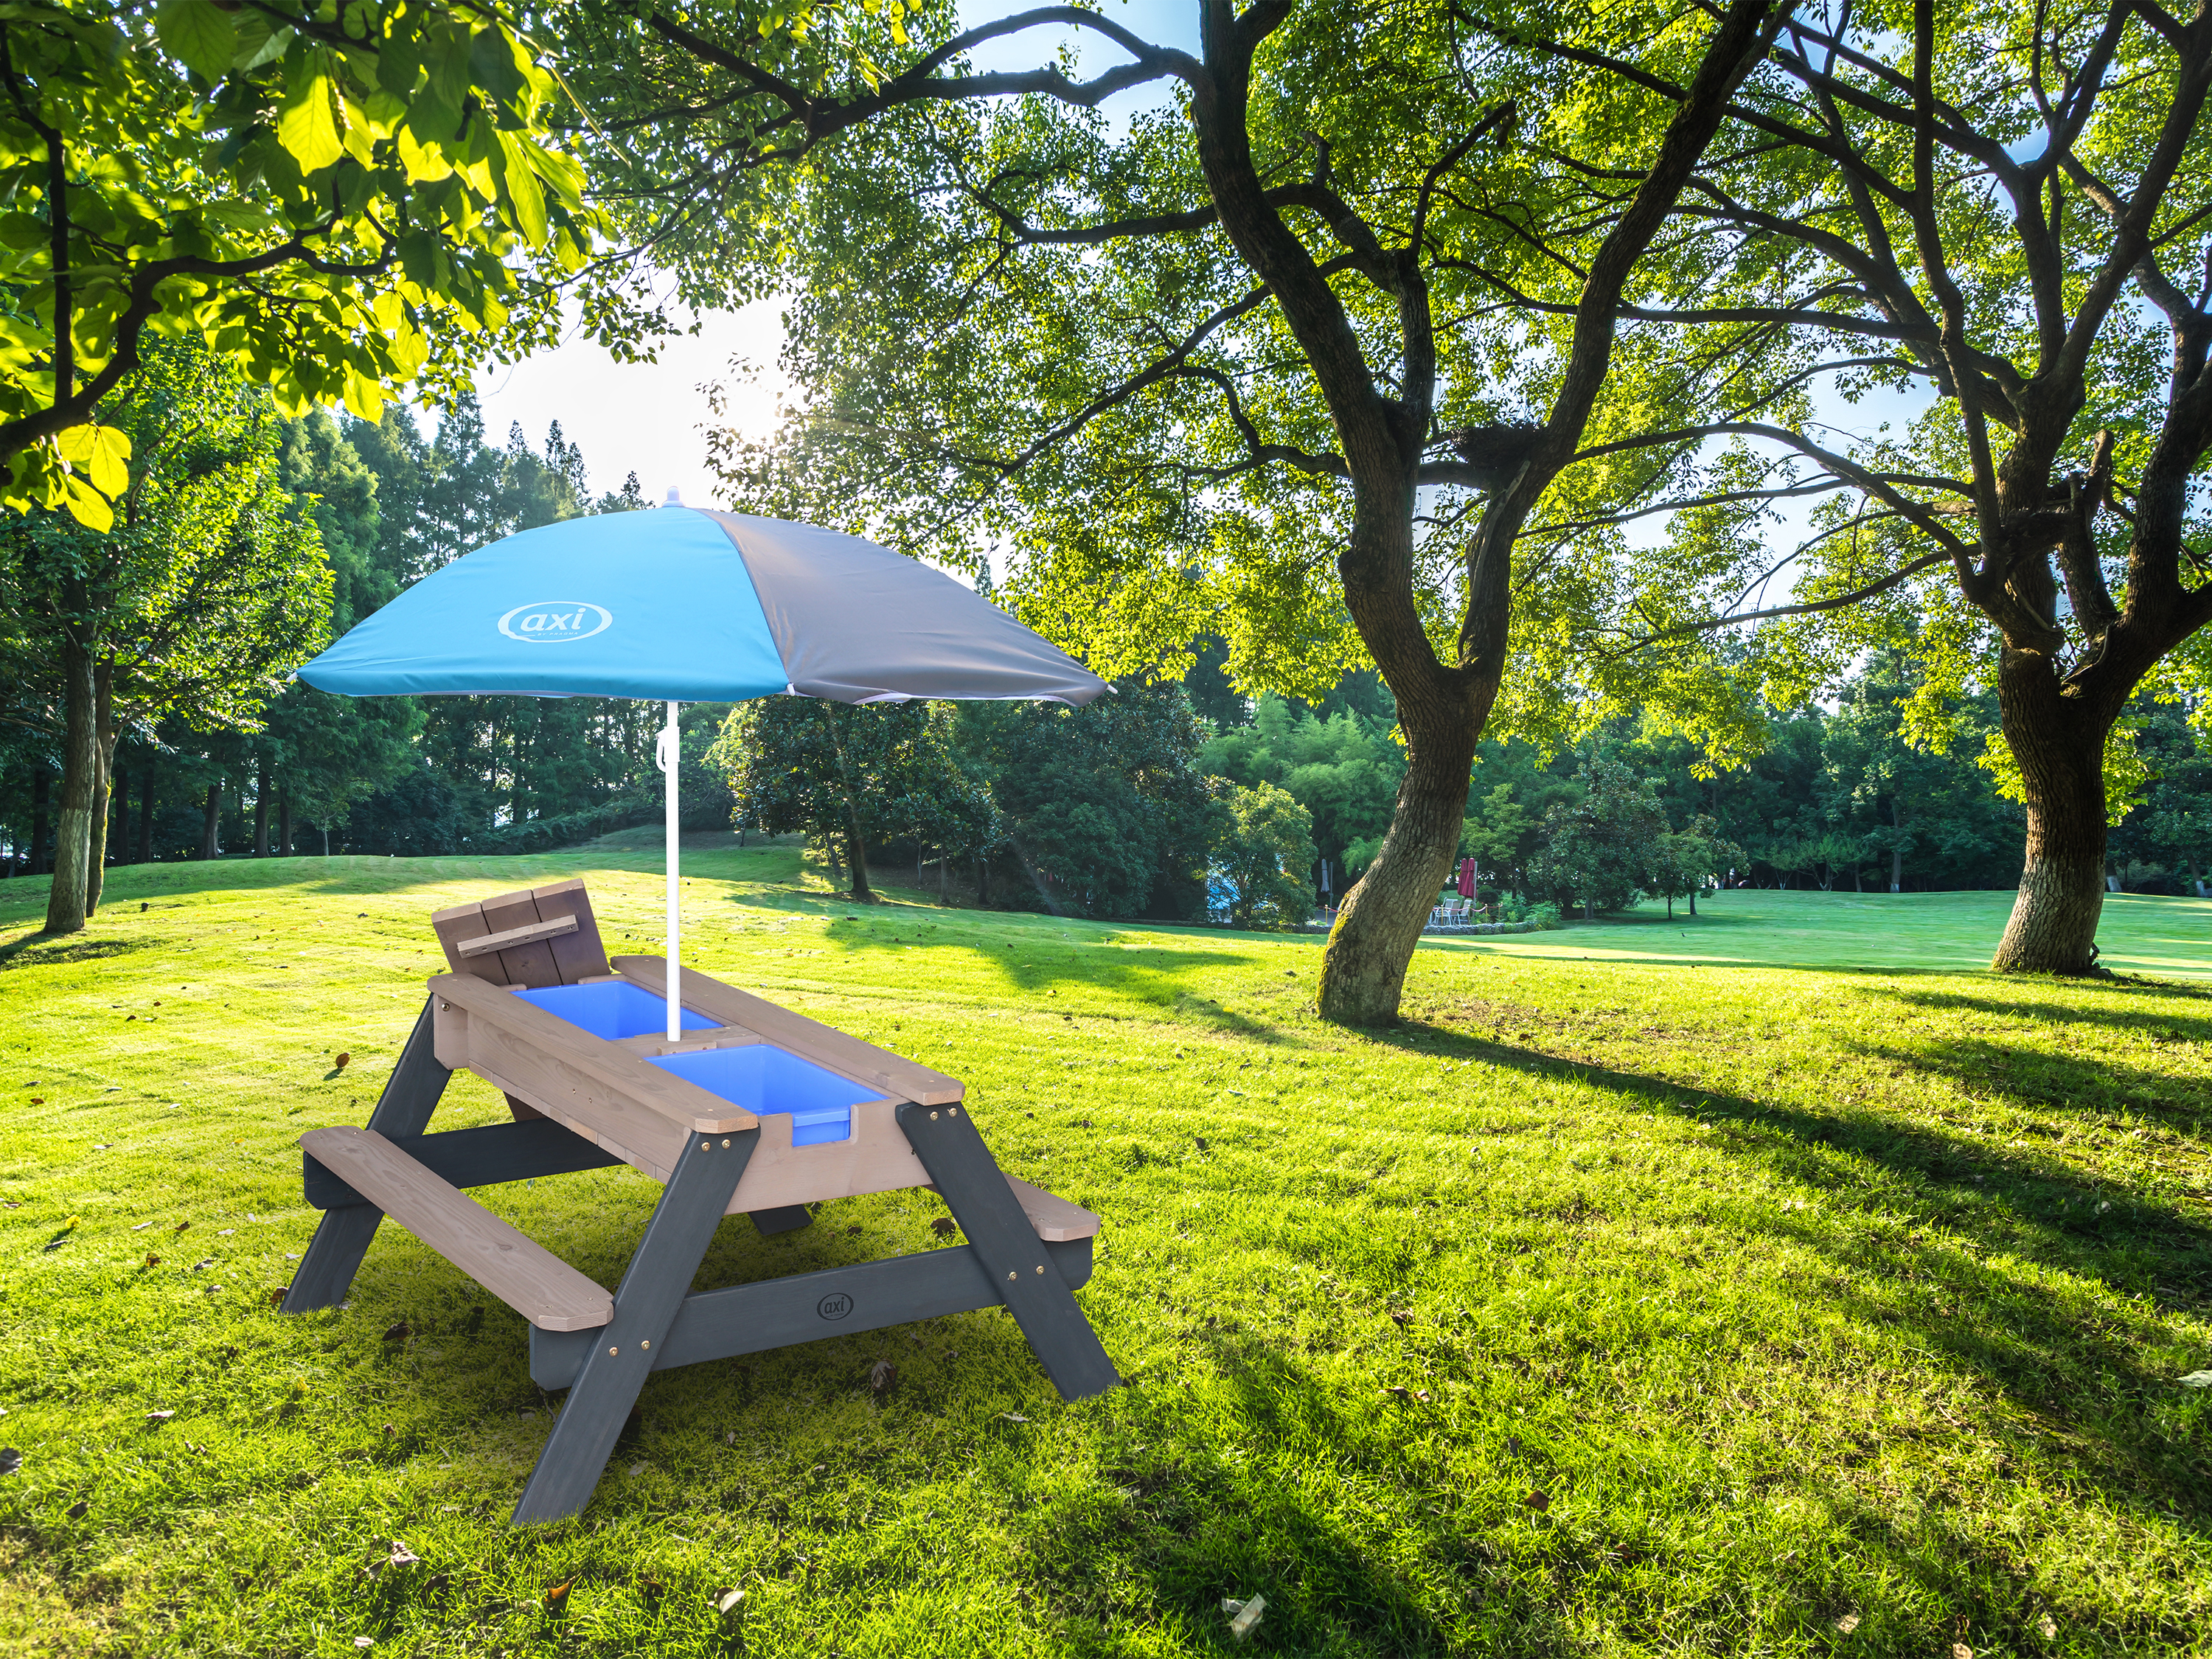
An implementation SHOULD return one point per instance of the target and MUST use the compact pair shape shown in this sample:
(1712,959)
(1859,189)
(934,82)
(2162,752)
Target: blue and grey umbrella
(684,605)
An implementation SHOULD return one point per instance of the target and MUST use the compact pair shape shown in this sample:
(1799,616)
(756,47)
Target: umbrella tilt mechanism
(753,1109)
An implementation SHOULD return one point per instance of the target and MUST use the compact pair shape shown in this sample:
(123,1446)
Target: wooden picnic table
(757,1110)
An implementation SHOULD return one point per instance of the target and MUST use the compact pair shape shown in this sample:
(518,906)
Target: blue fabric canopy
(680,605)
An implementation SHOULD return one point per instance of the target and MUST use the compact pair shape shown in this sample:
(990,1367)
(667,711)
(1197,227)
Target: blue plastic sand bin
(765,1080)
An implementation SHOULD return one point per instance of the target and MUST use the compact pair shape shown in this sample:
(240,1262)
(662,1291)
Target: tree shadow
(45,949)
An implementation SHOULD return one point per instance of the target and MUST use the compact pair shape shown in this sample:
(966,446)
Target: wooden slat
(530,964)
(530,934)
(521,1272)
(615,1071)
(809,1039)
(578,955)
(1055,1219)
(601,1114)
(455,927)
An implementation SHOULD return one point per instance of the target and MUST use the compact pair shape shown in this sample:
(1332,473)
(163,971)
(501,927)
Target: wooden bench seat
(525,1275)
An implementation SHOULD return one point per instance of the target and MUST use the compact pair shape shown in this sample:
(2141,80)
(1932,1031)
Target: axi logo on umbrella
(555,622)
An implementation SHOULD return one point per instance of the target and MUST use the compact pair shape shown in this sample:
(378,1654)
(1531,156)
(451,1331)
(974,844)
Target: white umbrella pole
(669,746)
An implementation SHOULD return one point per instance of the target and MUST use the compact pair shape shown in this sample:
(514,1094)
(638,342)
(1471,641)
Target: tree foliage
(1264,857)
(335,200)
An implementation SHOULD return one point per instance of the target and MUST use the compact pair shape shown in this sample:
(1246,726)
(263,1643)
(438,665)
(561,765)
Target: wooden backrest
(538,937)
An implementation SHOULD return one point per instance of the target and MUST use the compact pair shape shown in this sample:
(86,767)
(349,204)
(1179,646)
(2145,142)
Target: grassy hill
(1649,1290)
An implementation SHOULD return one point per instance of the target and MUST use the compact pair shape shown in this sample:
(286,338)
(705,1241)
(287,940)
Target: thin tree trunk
(211,822)
(856,855)
(944,879)
(1896,847)
(146,816)
(65,900)
(326,828)
(41,796)
(261,811)
(2060,751)
(103,783)
(1693,900)
(284,824)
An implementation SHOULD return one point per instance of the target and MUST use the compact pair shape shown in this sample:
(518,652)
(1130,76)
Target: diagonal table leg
(969,1179)
(410,1094)
(660,1277)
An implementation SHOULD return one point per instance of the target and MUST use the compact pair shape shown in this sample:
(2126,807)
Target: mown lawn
(1606,1307)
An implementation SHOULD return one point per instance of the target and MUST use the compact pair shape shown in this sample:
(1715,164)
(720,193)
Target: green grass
(1953,933)
(1799,1296)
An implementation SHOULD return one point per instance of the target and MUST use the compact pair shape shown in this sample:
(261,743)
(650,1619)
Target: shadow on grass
(2011,1203)
(45,949)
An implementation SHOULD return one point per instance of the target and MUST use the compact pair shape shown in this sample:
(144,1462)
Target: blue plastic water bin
(613,1009)
(766,1081)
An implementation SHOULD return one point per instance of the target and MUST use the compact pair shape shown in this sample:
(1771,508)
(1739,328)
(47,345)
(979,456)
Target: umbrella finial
(675,497)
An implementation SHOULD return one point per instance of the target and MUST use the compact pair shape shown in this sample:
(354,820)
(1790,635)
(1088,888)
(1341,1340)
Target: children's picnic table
(756,1111)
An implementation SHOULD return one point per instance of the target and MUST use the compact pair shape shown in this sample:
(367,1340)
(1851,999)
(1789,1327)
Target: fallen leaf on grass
(142,1226)
(557,1597)
(882,1377)
(180,1226)
(2198,1380)
(1848,1623)
(1013,1416)
(277,1293)
(1402,1319)
(399,1332)
(2049,1628)
(159,1417)
(76,1512)
(1538,1501)
(729,1602)
(1961,1650)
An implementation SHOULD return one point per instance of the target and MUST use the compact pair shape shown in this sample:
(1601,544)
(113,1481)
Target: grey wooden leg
(788,1219)
(410,1094)
(969,1179)
(621,1357)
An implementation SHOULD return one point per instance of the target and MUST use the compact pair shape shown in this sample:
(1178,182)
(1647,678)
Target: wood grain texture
(530,1279)
(526,964)
(1056,1220)
(809,1039)
(454,927)
(578,955)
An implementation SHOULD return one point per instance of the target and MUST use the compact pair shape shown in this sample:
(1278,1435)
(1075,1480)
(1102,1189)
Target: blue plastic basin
(767,1081)
(613,1009)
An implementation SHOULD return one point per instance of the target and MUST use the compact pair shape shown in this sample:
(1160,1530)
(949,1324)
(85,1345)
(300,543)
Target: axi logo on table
(555,621)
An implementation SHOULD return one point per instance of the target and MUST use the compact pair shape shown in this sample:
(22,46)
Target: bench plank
(809,1039)
(525,1275)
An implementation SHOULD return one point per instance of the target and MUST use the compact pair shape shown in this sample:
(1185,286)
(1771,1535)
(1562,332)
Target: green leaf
(524,192)
(308,127)
(200,33)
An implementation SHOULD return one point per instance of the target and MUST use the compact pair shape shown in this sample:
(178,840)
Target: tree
(843,774)
(1605,847)
(208,590)
(1685,859)
(1183,364)
(1998,209)
(325,197)
(1343,770)
(1266,854)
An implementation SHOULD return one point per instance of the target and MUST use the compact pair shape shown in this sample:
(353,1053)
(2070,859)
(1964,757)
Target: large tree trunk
(65,900)
(856,856)
(1363,968)
(2061,750)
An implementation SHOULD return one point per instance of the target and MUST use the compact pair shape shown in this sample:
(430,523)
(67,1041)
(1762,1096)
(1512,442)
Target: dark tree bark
(65,899)
(103,775)
(146,816)
(284,824)
(261,804)
(211,822)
